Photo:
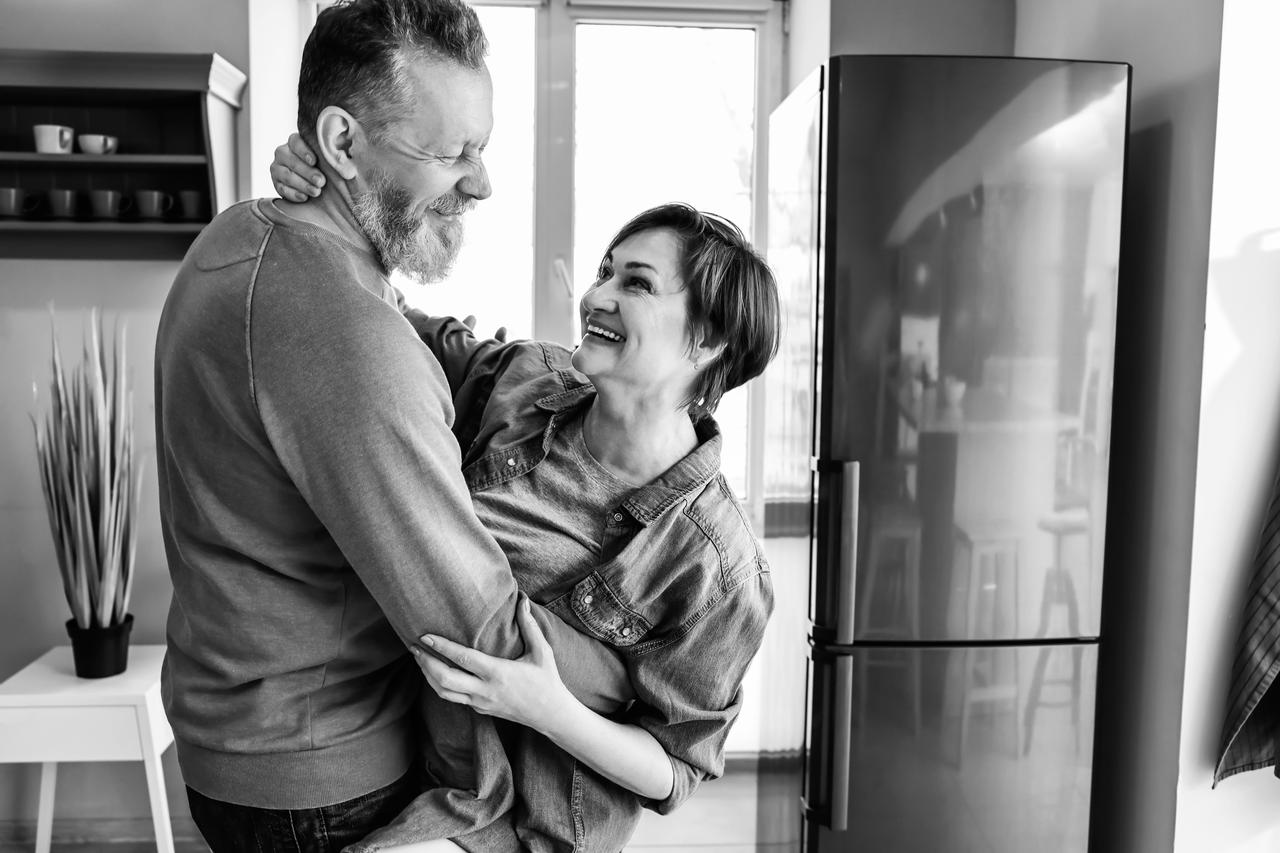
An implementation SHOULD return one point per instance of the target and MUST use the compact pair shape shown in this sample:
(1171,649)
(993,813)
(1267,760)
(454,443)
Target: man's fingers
(501,335)
(469,321)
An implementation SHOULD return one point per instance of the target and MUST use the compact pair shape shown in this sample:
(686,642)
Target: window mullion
(768,95)
(553,307)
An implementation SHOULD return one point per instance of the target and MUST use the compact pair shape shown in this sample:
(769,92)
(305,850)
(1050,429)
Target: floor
(711,822)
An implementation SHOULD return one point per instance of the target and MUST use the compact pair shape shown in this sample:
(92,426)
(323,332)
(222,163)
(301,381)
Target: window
(602,109)
(493,278)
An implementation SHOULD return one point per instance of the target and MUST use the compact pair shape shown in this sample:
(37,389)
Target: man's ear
(340,139)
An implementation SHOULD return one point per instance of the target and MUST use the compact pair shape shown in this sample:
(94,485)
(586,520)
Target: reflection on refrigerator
(945,234)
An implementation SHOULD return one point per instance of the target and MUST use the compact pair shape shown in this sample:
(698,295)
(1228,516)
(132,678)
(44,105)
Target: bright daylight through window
(644,132)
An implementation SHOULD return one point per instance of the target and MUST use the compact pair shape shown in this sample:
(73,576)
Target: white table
(48,715)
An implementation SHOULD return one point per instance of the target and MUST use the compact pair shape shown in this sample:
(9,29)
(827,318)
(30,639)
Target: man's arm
(359,416)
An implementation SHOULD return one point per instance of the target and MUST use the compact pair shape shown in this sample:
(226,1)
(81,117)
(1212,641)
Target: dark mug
(153,204)
(62,204)
(107,204)
(191,203)
(14,201)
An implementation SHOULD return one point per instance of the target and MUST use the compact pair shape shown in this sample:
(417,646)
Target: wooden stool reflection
(889,602)
(1059,597)
(989,676)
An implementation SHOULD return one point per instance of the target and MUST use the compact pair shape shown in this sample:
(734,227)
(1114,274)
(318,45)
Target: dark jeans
(229,828)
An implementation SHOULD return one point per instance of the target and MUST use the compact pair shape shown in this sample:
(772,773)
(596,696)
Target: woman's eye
(639,283)
(603,274)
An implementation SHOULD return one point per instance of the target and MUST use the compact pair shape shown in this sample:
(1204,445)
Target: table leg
(44,813)
(159,805)
(152,755)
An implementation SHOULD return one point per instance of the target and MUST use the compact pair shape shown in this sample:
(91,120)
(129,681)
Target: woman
(605,494)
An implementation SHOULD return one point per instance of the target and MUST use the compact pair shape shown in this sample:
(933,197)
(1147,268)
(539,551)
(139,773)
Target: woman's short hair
(356,55)
(733,298)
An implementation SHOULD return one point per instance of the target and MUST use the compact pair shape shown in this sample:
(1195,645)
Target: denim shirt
(683,592)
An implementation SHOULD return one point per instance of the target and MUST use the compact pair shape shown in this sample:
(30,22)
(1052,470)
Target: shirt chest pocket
(603,613)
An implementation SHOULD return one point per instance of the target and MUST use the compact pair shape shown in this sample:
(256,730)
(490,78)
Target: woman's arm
(529,691)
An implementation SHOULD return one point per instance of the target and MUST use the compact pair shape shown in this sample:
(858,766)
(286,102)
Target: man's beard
(418,248)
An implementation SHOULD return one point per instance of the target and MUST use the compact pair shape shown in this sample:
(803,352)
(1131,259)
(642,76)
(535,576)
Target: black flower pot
(100,652)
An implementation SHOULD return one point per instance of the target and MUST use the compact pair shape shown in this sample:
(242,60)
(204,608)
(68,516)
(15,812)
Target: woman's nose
(599,297)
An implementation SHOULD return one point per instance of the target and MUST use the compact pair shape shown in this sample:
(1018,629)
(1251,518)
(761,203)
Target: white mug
(53,138)
(97,143)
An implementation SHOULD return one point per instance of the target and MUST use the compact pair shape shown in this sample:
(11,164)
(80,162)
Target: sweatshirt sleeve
(359,413)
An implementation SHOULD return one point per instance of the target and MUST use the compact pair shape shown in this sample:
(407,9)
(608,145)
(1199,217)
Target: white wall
(1239,445)
(808,42)
(975,27)
(276,32)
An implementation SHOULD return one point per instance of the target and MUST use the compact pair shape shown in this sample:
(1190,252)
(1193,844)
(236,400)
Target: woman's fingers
(293,171)
(536,646)
(449,682)
(459,655)
(300,148)
(289,183)
(306,160)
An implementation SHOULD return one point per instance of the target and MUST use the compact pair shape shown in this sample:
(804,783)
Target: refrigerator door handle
(842,744)
(846,581)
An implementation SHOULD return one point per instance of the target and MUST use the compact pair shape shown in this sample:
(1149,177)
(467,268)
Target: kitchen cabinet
(173,116)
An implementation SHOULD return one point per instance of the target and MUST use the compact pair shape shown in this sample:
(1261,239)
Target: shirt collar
(680,480)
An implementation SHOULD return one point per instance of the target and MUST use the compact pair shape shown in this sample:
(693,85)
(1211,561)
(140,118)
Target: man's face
(414,183)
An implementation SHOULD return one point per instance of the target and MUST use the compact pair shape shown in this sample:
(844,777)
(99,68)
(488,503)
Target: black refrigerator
(945,232)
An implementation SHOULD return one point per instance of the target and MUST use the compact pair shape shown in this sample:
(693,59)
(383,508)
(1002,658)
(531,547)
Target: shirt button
(626,630)
(511,463)
(587,599)
(617,516)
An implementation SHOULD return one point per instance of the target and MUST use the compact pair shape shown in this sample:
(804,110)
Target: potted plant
(85,452)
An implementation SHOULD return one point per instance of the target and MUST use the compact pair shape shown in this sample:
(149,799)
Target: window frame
(554,308)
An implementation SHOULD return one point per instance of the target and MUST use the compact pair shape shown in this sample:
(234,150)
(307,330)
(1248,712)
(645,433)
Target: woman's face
(634,319)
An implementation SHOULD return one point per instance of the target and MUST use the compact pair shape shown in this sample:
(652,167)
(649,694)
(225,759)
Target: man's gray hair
(357,54)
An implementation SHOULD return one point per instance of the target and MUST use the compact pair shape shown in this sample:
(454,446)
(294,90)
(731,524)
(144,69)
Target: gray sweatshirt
(315,520)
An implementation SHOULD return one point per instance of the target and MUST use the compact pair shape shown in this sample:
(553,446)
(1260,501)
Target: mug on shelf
(97,143)
(53,138)
(14,202)
(152,204)
(62,204)
(191,204)
(108,204)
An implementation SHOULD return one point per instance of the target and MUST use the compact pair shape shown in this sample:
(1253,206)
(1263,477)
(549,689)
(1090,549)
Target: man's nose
(475,183)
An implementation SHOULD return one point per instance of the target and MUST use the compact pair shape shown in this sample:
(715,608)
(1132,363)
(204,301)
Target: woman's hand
(293,172)
(527,690)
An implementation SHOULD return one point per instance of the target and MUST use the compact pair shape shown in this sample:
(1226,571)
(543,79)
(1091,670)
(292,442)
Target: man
(314,515)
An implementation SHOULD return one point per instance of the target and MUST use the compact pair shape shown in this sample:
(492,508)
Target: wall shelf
(99,161)
(174,117)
